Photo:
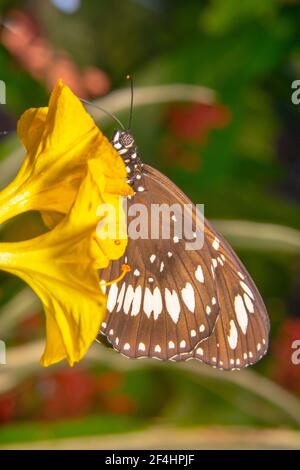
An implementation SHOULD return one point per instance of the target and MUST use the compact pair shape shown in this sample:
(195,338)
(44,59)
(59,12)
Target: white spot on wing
(182,344)
(136,272)
(112,297)
(199,274)
(233,335)
(241,314)
(247,290)
(152,302)
(152,258)
(136,304)
(173,305)
(216,243)
(142,347)
(128,298)
(148,302)
(249,304)
(157,302)
(212,271)
(157,348)
(126,347)
(188,296)
(120,297)
(171,345)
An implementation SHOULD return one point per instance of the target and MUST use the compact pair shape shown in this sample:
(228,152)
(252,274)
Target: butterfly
(178,304)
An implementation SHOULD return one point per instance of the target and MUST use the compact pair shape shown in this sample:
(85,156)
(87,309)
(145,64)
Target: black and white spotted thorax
(125,145)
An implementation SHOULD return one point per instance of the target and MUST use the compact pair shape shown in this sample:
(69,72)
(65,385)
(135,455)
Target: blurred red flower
(285,372)
(8,405)
(66,393)
(189,127)
(77,392)
(109,381)
(194,121)
(119,404)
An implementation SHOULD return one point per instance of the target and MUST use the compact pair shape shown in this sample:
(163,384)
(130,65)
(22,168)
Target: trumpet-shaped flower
(61,267)
(70,173)
(59,140)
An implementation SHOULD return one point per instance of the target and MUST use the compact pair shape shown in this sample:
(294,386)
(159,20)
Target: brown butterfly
(178,304)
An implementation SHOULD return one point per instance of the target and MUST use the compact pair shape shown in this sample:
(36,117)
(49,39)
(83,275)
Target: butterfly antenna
(129,77)
(104,111)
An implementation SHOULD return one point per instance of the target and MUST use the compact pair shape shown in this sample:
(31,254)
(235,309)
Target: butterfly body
(124,143)
(178,304)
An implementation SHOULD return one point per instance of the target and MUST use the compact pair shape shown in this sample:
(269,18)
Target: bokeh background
(229,137)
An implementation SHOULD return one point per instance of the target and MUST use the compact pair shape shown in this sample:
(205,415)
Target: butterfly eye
(126,139)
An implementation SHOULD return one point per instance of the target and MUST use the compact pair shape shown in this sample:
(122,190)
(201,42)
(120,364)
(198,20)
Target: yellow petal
(61,267)
(30,128)
(59,141)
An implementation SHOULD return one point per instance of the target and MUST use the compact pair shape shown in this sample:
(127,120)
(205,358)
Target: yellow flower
(70,173)
(61,267)
(59,140)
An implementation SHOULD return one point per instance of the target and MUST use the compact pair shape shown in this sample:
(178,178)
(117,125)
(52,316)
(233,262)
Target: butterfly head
(123,141)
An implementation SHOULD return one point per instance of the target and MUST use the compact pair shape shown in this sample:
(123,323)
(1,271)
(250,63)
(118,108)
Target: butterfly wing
(178,304)
(240,335)
(163,307)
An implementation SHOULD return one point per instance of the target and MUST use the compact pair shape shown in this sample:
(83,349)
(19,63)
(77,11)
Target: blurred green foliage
(249,53)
